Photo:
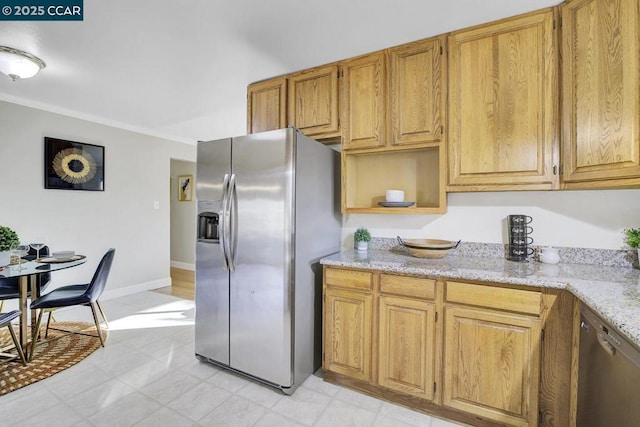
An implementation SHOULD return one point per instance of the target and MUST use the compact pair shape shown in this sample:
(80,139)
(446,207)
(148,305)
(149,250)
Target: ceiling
(179,69)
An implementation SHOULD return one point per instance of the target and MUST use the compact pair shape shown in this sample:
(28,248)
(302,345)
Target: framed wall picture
(70,165)
(185,188)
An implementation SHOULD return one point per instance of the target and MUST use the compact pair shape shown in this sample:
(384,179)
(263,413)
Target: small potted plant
(362,237)
(633,239)
(8,237)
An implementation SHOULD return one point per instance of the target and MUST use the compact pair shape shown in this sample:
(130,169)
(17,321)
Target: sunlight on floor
(179,313)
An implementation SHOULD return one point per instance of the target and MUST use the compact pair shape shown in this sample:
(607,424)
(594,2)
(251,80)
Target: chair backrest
(99,280)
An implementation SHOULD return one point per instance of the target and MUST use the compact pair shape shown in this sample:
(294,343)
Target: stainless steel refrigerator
(268,210)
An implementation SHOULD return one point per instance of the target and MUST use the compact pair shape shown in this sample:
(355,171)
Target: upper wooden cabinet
(364,87)
(417,91)
(601,93)
(313,101)
(267,105)
(503,105)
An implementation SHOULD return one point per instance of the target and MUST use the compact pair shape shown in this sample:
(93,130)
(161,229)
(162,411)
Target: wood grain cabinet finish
(492,364)
(503,105)
(347,333)
(313,101)
(267,105)
(601,93)
(482,361)
(364,87)
(492,352)
(407,346)
(417,91)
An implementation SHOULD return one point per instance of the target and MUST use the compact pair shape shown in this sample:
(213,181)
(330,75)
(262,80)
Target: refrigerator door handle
(233,222)
(224,221)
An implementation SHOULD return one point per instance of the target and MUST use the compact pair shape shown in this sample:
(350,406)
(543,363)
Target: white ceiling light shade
(18,64)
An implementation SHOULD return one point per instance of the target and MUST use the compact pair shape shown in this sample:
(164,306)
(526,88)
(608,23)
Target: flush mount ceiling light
(18,64)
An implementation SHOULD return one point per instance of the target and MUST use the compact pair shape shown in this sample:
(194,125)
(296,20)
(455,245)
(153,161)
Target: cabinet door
(267,105)
(503,105)
(492,364)
(347,333)
(363,102)
(313,101)
(417,91)
(601,93)
(407,346)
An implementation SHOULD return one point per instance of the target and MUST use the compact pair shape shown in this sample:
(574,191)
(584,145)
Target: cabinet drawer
(519,300)
(348,278)
(408,286)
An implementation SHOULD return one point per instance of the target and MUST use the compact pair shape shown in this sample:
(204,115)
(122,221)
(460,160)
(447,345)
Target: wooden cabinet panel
(267,105)
(492,363)
(520,300)
(364,101)
(407,346)
(347,333)
(417,87)
(503,105)
(408,286)
(362,280)
(313,101)
(601,93)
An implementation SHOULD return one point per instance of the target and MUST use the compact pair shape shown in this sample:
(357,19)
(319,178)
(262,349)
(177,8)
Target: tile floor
(147,375)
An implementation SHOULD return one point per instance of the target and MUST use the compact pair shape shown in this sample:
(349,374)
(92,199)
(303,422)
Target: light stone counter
(613,292)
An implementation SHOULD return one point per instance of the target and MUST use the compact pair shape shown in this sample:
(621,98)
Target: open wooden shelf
(419,172)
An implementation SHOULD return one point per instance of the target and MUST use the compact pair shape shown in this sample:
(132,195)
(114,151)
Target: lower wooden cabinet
(347,333)
(472,352)
(406,351)
(492,364)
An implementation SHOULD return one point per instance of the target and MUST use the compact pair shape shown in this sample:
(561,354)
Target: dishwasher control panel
(609,338)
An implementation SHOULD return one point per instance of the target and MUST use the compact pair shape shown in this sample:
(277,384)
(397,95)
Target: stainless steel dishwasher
(609,375)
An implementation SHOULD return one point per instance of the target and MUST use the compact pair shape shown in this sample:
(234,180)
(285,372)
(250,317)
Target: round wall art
(73,165)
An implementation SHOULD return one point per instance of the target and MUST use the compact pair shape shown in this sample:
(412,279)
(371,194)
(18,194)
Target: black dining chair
(10,287)
(85,294)
(5,320)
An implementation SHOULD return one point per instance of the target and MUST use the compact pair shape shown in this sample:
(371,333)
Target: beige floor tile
(272,419)
(305,406)
(234,412)
(261,394)
(343,414)
(199,401)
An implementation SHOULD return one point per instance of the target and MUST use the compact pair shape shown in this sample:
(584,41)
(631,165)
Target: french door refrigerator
(268,210)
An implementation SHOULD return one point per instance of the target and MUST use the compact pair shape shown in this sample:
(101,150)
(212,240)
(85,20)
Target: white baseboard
(110,294)
(134,289)
(183,265)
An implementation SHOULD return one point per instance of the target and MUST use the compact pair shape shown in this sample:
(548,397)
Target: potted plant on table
(362,237)
(8,237)
(633,239)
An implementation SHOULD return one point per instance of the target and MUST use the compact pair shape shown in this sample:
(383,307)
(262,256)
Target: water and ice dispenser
(207,222)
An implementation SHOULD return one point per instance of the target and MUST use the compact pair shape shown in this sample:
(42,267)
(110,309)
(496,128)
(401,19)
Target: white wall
(183,218)
(123,216)
(585,219)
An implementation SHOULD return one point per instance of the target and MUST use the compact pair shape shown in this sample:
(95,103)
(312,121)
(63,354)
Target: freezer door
(261,286)
(212,277)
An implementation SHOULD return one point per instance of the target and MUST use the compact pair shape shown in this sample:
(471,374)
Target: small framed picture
(70,165)
(185,188)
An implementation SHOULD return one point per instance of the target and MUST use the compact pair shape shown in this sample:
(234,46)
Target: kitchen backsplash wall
(571,219)
(608,257)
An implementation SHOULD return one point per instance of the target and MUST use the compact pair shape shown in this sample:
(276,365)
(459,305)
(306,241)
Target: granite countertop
(611,291)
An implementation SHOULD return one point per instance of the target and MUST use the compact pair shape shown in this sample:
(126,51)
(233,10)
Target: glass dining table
(27,272)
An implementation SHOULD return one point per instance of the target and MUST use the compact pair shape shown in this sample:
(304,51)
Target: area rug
(55,354)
